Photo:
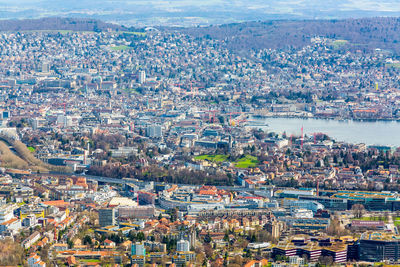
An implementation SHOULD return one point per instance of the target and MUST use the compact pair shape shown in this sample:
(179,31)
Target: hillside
(23,158)
(65,24)
(363,34)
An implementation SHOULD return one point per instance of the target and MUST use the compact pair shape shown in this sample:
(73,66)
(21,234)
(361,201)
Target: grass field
(392,65)
(212,158)
(31,149)
(136,33)
(374,219)
(246,162)
(396,221)
(339,43)
(120,48)
(131,91)
(90,261)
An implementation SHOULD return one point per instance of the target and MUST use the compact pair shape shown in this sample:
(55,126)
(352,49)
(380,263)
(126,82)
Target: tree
(207,238)
(334,228)
(325,260)
(70,244)
(87,240)
(208,251)
(226,236)
(358,210)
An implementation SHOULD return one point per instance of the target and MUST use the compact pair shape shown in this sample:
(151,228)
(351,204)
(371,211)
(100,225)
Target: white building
(183,245)
(35,261)
(302,213)
(11,226)
(7,212)
(142,76)
(154,131)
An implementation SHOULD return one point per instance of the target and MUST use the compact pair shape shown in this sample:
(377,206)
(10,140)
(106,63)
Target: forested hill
(361,34)
(73,24)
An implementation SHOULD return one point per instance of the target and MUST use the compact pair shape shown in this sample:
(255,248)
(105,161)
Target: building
(183,245)
(138,260)
(35,261)
(12,226)
(7,212)
(275,228)
(367,225)
(312,247)
(107,217)
(154,131)
(142,76)
(138,254)
(45,67)
(32,239)
(293,204)
(138,212)
(138,249)
(379,247)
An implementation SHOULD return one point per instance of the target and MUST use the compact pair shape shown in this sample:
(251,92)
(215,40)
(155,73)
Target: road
(109,180)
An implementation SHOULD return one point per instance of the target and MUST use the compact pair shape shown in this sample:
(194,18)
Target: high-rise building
(138,249)
(189,235)
(45,67)
(154,131)
(183,245)
(106,217)
(142,76)
(7,212)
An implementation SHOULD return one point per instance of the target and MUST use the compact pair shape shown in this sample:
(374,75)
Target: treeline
(161,174)
(363,34)
(73,24)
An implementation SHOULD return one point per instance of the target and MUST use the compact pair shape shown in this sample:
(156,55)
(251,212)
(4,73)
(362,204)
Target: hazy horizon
(186,13)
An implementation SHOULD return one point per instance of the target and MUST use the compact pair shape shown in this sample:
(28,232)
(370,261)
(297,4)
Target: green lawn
(90,260)
(135,33)
(213,158)
(373,219)
(31,149)
(396,221)
(339,43)
(120,47)
(131,91)
(392,65)
(246,162)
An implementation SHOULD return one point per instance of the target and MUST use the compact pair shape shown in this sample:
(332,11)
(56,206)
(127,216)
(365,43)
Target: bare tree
(358,210)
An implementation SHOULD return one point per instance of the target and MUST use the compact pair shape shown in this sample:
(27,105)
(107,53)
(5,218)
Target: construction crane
(64,105)
(230,116)
(302,137)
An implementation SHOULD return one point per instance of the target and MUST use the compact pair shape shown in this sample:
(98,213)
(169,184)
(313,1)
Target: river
(385,133)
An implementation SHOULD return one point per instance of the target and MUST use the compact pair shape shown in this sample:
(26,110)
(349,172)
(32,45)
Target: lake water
(385,133)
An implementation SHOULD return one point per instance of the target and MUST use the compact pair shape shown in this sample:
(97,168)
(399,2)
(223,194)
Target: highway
(109,180)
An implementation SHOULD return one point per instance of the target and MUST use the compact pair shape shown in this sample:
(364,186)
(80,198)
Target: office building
(379,247)
(107,217)
(154,131)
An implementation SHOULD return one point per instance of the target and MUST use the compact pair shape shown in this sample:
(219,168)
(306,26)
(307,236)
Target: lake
(385,133)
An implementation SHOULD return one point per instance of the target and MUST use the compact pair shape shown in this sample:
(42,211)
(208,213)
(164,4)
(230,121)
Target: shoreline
(261,117)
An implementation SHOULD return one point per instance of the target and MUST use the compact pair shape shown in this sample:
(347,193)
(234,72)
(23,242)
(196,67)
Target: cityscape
(168,146)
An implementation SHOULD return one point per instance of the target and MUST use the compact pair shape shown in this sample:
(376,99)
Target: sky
(197,12)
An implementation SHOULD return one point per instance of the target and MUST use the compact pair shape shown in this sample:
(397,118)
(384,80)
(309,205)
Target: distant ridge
(55,23)
(363,34)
